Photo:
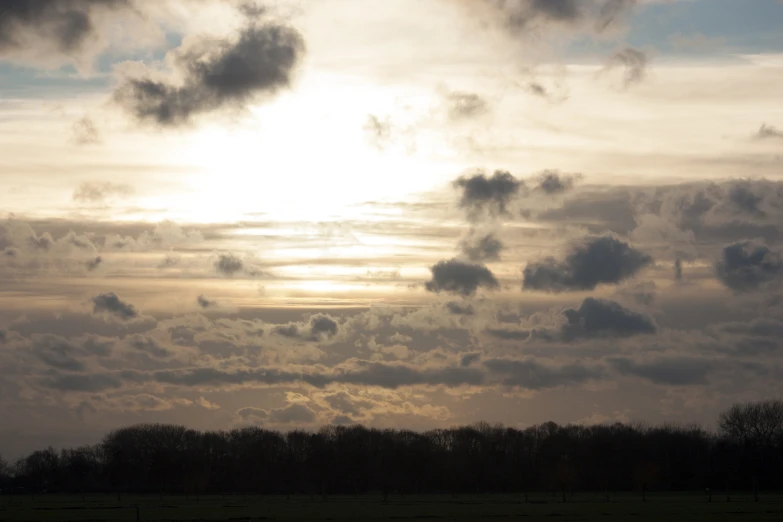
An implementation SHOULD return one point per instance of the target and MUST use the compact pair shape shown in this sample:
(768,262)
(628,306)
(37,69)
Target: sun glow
(307,157)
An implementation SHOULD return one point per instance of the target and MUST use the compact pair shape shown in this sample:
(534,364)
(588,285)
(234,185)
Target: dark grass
(585,507)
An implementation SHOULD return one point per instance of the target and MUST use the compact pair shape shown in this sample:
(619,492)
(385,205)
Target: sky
(412,214)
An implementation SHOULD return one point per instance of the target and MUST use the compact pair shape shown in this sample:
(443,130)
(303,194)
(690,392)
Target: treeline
(745,454)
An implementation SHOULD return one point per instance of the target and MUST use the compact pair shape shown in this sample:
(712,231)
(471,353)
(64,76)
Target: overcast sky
(408,213)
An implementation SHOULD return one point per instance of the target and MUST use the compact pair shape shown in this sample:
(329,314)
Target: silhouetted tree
(757,427)
(746,451)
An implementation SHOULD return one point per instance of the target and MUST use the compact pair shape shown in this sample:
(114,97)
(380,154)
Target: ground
(581,507)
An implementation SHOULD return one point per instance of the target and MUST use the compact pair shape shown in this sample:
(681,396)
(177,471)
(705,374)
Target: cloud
(521,17)
(378,131)
(93,264)
(323,325)
(110,303)
(598,211)
(290,414)
(98,191)
(465,105)
(743,198)
(57,352)
(293,413)
(491,195)
(460,278)
(149,345)
(553,182)
(203,302)
(228,264)
(352,371)
(290,330)
(207,405)
(678,269)
(532,375)
(633,61)
(749,264)
(469,358)
(84,132)
(48,29)
(319,326)
(537,89)
(84,382)
(767,132)
(507,334)
(217,74)
(483,248)
(348,404)
(673,371)
(761,327)
(593,261)
(610,11)
(460,309)
(605,318)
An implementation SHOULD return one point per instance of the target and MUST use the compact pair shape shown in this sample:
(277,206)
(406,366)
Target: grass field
(581,507)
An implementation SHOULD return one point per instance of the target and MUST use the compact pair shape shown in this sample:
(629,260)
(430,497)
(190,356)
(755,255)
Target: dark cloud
(323,325)
(148,345)
(519,17)
(95,191)
(749,264)
(347,404)
(508,334)
(318,327)
(482,248)
(598,211)
(537,89)
(63,27)
(593,261)
(633,61)
(678,269)
(110,303)
(761,327)
(218,74)
(605,318)
(553,182)
(743,198)
(466,105)
(57,352)
(490,195)
(290,330)
(532,375)
(767,132)
(460,278)
(84,132)
(459,308)
(391,375)
(469,358)
(84,382)
(353,371)
(93,264)
(610,11)
(203,302)
(229,264)
(672,371)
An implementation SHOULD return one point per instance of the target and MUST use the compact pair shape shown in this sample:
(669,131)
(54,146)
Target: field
(581,507)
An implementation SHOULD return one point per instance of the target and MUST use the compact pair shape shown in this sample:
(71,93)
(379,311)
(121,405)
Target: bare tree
(757,427)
